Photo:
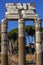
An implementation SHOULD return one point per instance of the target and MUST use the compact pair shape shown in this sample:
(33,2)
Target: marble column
(38,42)
(21,41)
(4,42)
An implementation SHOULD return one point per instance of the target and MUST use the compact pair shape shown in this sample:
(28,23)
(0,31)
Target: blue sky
(38,5)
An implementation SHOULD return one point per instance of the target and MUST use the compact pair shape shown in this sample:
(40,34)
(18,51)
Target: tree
(13,34)
(30,31)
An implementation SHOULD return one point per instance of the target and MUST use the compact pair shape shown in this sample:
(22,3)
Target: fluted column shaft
(21,41)
(38,42)
(4,42)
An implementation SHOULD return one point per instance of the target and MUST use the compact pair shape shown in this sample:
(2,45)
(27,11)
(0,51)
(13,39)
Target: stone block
(28,12)
(31,6)
(24,6)
(30,16)
(12,16)
(19,6)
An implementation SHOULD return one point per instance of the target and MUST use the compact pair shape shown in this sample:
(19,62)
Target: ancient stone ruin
(21,13)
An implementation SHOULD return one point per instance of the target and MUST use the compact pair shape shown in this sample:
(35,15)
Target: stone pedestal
(21,41)
(4,43)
